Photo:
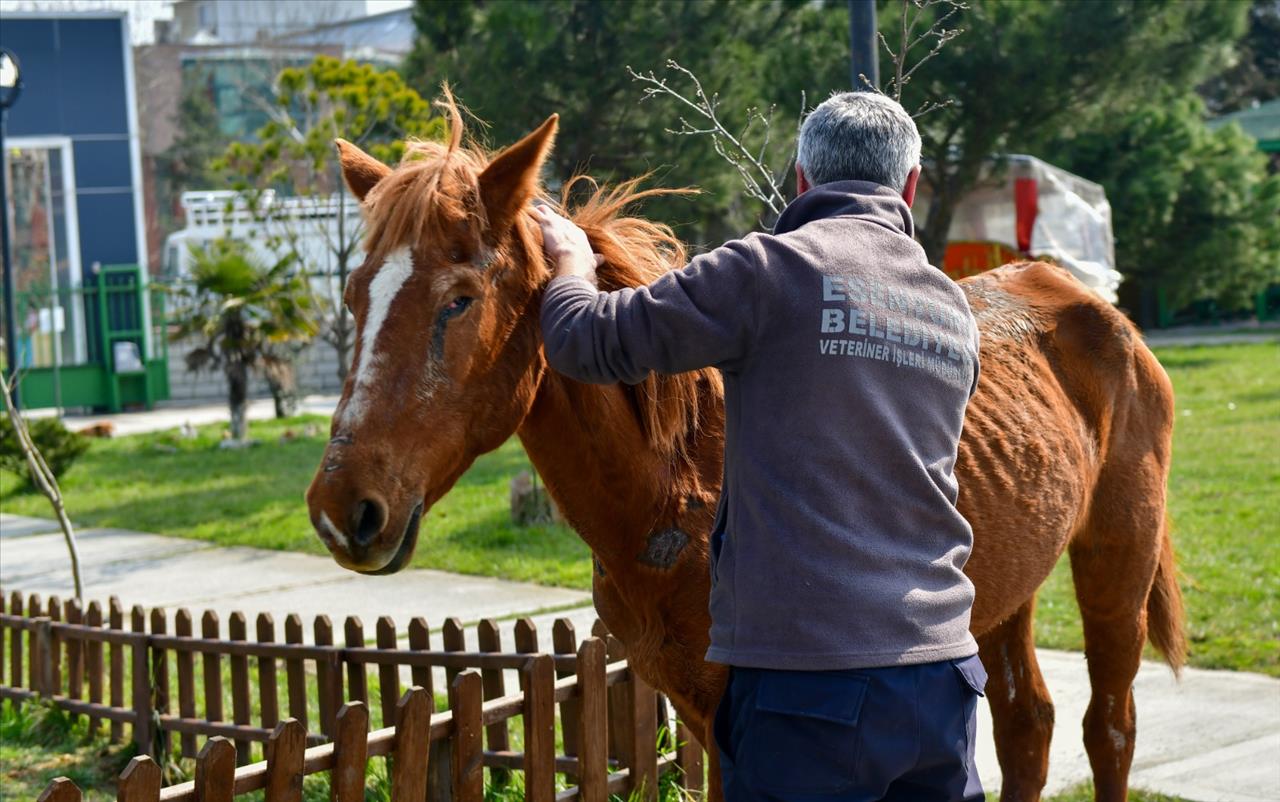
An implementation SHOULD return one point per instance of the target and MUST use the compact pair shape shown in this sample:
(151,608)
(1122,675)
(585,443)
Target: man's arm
(700,316)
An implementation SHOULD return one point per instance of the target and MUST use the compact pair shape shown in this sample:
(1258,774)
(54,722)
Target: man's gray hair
(859,136)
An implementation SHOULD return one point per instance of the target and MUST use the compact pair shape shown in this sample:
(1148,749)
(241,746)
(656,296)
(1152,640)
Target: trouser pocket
(802,734)
(972,673)
(973,679)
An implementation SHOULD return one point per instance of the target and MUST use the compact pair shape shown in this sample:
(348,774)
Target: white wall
(317,375)
(245,21)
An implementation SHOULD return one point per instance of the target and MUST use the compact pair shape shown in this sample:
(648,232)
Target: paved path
(171,572)
(1226,334)
(173,415)
(1160,340)
(1213,736)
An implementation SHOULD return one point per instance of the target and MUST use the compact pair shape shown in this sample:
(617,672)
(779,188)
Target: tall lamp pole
(863,46)
(10,88)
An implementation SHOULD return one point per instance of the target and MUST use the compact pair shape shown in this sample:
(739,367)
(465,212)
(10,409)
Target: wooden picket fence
(609,719)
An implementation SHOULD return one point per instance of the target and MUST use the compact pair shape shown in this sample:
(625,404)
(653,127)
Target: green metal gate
(103,345)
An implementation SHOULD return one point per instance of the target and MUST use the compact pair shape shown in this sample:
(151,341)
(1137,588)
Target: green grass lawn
(39,743)
(1223,495)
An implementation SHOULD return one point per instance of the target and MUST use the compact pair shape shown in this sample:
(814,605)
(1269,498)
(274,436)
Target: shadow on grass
(501,463)
(184,509)
(1191,361)
(494,531)
(488,543)
(1258,396)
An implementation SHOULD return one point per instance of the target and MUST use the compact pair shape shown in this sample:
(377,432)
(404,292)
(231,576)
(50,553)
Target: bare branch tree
(751,161)
(913,11)
(44,480)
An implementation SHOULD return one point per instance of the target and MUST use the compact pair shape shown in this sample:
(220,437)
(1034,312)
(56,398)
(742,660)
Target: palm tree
(245,316)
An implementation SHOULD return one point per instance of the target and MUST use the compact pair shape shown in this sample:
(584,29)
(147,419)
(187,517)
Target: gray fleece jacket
(847,361)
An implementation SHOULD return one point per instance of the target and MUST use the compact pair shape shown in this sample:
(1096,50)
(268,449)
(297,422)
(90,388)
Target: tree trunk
(342,344)
(933,234)
(44,481)
(282,378)
(238,399)
(341,329)
(338,335)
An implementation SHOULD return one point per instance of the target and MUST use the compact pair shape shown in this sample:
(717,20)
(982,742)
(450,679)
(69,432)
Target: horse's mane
(434,193)
(636,252)
(430,195)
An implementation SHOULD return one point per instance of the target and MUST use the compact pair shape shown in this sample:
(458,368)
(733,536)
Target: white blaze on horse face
(333,531)
(384,287)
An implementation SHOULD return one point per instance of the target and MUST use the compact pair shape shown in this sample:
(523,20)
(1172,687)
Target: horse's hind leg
(1021,709)
(1113,563)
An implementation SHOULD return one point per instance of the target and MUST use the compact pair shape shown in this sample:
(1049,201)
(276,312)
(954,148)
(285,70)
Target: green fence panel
(69,336)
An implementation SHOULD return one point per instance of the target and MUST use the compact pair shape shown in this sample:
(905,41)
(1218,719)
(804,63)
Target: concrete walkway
(171,572)
(173,415)
(1213,736)
(1224,334)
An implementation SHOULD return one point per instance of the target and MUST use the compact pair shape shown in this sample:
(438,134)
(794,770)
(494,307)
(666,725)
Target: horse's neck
(610,484)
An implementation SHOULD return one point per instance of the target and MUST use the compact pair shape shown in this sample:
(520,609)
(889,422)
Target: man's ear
(360,170)
(511,179)
(909,189)
(802,181)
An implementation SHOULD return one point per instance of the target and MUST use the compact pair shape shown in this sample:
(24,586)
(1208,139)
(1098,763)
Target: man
(837,595)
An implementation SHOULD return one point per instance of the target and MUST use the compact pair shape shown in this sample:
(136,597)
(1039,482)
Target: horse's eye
(456,256)
(455,307)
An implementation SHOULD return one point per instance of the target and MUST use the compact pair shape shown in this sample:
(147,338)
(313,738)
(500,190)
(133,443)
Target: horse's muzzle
(408,541)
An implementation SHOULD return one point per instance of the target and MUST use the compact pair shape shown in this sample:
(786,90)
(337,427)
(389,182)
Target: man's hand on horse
(566,245)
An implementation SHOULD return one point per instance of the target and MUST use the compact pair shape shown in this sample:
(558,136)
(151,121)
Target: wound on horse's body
(664,547)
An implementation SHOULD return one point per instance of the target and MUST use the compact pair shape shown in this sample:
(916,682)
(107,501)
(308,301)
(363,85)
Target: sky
(143,13)
(379,6)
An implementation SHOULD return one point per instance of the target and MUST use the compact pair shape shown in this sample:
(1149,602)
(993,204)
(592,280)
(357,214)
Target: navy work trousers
(902,733)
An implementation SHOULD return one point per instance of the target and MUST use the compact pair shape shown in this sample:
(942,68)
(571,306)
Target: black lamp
(10,77)
(10,88)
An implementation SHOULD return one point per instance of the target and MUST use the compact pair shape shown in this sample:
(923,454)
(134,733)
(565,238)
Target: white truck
(1025,208)
(313,227)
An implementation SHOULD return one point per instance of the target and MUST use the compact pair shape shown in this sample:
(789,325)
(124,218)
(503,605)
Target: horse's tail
(1165,616)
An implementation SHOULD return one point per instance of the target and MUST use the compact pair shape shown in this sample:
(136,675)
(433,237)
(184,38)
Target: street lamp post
(10,88)
(864,49)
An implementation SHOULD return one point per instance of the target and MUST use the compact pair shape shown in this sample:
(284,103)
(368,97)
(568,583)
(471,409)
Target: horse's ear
(511,179)
(360,170)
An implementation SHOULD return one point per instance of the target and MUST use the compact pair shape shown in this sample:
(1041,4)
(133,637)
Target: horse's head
(446,359)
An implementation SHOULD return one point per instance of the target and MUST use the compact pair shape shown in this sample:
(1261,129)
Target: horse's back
(1040,311)
(1059,366)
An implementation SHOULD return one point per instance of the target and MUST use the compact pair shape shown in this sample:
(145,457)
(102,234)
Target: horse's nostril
(369,518)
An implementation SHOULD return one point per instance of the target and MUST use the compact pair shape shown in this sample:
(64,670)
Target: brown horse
(1066,444)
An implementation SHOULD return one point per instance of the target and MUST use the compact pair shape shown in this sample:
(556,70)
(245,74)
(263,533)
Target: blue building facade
(77,78)
(74,195)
